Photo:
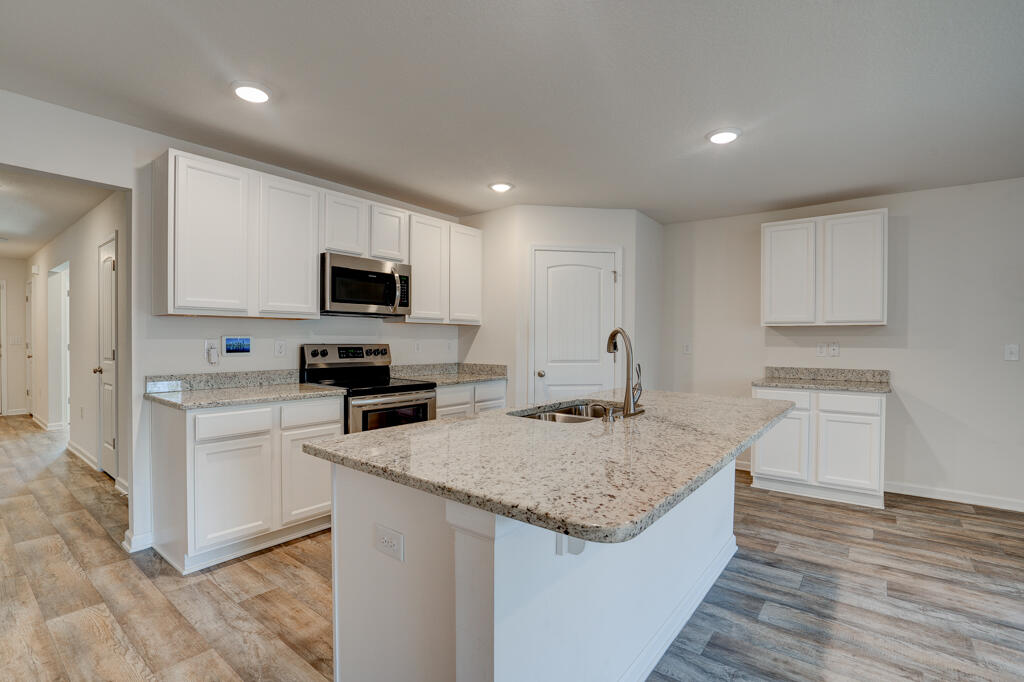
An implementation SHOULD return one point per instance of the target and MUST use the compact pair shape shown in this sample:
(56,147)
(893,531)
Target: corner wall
(956,296)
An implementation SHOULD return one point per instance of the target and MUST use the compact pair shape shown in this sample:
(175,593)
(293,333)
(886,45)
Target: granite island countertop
(597,480)
(825,379)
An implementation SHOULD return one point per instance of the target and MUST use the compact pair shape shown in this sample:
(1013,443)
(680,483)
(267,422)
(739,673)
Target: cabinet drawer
(234,423)
(490,390)
(801,398)
(306,412)
(850,404)
(498,404)
(454,395)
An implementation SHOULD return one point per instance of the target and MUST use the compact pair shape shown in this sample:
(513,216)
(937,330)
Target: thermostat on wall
(236,345)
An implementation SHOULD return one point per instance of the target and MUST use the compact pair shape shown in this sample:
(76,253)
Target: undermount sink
(572,413)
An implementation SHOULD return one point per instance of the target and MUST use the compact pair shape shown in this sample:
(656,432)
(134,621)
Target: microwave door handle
(398,292)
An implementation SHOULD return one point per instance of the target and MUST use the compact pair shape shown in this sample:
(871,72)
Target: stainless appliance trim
(357,406)
(397,270)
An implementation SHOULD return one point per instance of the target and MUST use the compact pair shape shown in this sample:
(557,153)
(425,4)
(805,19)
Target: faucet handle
(638,387)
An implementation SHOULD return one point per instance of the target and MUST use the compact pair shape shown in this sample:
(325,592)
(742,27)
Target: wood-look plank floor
(923,590)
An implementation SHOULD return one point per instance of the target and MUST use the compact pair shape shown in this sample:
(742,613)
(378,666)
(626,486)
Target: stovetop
(363,369)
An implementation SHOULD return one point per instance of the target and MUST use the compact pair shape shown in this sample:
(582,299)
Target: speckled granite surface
(449,374)
(164,383)
(242,395)
(595,480)
(826,379)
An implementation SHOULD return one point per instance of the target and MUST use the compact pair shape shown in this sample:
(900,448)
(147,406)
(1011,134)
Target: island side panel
(393,620)
(610,612)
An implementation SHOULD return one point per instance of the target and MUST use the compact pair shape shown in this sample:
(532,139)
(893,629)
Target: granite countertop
(452,373)
(598,481)
(242,395)
(826,379)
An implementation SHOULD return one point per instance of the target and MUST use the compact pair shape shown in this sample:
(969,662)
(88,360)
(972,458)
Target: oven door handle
(392,400)
(398,291)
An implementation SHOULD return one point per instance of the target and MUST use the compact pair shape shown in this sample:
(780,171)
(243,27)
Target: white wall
(12,271)
(509,234)
(956,296)
(53,139)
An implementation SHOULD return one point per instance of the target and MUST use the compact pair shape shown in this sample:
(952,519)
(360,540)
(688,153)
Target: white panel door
(428,256)
(785,451)
(389,233)
(854,268)
(466,281)
(233,490)
(28,345)
(788,273)
(849,450)
(211,236)
(574,311)
(346,224)
(107,355)
(289,225)
(305,479)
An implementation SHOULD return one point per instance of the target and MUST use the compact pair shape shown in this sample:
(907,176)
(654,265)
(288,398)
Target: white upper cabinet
(389,233)
(289,229)
(854,269)
(466,280)
(788,261)
(428,256)
(346,225)
(829,270)
(208,242)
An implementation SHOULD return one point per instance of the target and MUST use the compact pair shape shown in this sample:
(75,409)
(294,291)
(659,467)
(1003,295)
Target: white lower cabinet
(468,399)
(305,480)
(830,446)
(234,480)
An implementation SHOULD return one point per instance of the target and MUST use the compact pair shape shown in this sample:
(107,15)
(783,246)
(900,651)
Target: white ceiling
(36,207)
(580,103)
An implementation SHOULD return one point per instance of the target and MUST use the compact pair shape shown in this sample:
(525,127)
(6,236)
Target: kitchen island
(507,548)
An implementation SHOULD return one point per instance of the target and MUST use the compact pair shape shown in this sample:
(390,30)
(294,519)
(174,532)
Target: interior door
(573,313)
(107,365)
(28,345)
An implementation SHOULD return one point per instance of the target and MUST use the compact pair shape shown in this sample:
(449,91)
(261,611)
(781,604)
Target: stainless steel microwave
(363,286)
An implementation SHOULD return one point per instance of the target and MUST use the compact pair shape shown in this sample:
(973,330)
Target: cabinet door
(853,270)
(233,490)
(466,280)
(428,256)
(788,273)
(305,479)
(289,222)
(389,233)
(346,224)
(211,236)
(849,451)
(785,451)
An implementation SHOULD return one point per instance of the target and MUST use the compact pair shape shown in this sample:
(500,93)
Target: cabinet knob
(541,373)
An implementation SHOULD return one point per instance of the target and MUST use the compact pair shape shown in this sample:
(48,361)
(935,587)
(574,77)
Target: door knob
(97,370)
(541,373)
(29,357)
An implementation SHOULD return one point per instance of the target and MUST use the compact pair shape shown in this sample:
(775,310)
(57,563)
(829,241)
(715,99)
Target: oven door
(367,286)
(378,412)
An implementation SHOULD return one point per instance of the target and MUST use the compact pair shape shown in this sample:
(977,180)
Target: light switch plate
(687,348)
(279,349)
(1011,352)
(822,350)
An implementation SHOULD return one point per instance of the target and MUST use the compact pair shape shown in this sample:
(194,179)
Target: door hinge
(113,265)
(113,354)
(615,276)
(26,392)
(69,293)
(113,444)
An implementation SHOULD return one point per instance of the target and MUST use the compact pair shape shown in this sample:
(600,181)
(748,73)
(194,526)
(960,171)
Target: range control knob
(383,351)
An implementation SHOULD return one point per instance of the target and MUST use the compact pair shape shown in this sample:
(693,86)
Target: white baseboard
(963,496)
(234,550)
(12,413)
(83,454)
(136,543)
(743,464)
(121,485)
(57,426)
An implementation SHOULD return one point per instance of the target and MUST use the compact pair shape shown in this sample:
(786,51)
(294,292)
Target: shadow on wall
(892,335)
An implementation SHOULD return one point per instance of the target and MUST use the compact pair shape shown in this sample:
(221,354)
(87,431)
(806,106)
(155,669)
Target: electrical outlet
(279,349)
(389,541)
(687,349)
(833,349)
(451,346)
(211,351)
(822,350)
(418,347)
(1011,352)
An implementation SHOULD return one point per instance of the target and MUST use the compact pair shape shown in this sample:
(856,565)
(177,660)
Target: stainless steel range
(373,399)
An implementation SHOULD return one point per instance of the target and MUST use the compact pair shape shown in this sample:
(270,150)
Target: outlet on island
(389,541)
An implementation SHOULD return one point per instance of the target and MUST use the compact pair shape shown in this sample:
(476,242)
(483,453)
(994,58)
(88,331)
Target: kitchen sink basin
(573,413)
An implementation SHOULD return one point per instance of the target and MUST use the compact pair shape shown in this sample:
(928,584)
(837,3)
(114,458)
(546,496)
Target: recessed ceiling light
(251,92)
(723,135)
(501,187)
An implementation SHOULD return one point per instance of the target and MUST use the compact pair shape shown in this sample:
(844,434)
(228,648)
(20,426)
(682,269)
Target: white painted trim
(743,464)
(963,496)
(617,287)
(121,485)
(821,492)
(4,336)
(12,413)
(56,426)
(82,454)
(652,652)
(219,555)
(136,543)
